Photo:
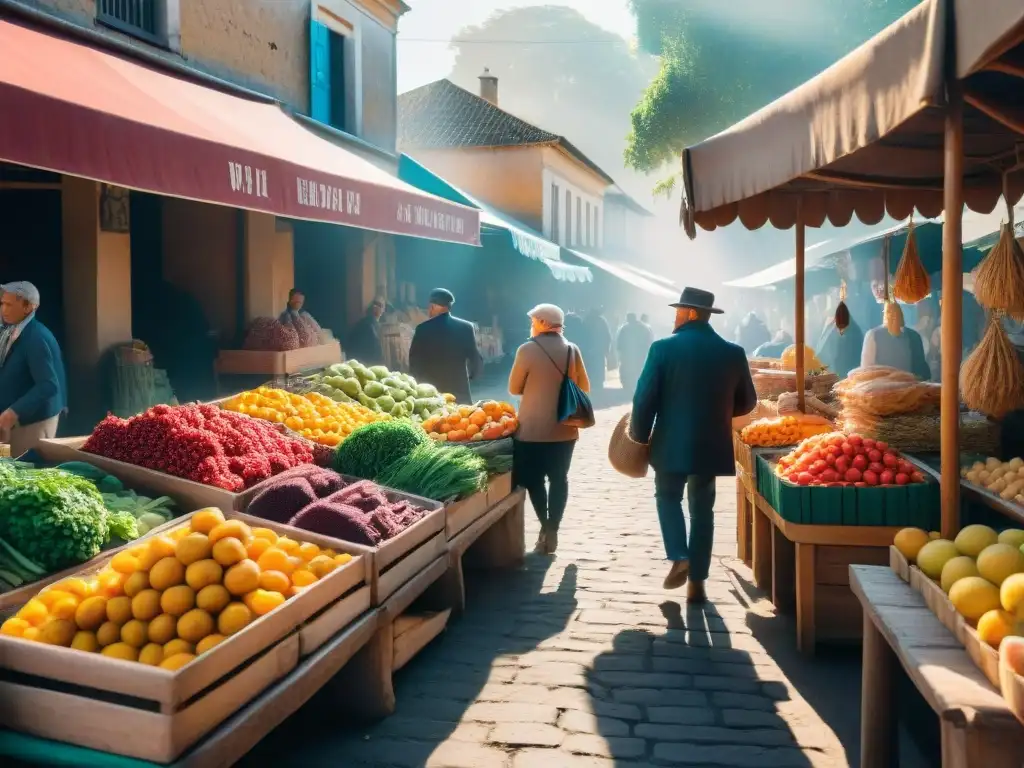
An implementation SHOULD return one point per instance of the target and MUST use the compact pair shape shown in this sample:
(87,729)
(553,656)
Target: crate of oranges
(490,420)
(197,618)
(314,416)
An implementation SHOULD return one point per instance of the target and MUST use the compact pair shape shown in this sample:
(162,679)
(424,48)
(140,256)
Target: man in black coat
(444,351)
(693,384)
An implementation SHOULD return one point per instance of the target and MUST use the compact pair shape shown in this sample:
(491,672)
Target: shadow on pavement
(830,680)
(438,690)
(698,700)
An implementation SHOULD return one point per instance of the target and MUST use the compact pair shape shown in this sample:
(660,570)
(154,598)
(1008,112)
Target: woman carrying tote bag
(551,380)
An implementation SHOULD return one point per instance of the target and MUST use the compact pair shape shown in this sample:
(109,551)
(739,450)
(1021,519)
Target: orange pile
(466,423)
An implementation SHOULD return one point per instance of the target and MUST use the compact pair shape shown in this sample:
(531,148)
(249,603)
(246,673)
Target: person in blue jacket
(33,386)
(693,384)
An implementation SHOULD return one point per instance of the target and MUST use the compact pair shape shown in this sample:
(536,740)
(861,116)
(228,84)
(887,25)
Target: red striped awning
(70,108)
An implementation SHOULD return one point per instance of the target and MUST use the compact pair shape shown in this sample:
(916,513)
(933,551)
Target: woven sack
(627,456)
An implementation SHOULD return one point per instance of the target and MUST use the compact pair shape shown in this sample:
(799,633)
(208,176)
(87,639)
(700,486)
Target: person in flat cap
(444,351)
(692,386)
(33,385)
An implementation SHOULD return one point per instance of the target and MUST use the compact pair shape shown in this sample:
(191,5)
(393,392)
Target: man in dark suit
(444,351)
(693,384)
(33,385)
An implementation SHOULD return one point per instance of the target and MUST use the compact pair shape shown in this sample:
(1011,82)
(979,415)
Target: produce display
(879,390)
(1006,479)
(202,443)
(811,362)
(789,404)
(497,454)
(380,390)
(174,597)
(269,334)
(148,513)
(314,416)
(981,571)
(837,459)
(784,430)
(922,432)
(320,501)
(399,455)
(466,423)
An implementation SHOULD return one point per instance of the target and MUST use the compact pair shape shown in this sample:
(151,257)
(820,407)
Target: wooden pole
(952,310)
(799,324)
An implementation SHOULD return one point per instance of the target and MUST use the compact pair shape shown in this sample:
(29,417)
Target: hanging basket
(842,317)
(627,456)
(999,279)
(992,378)
(911,283)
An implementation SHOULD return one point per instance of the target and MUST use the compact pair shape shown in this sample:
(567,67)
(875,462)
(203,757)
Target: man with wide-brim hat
(693,384)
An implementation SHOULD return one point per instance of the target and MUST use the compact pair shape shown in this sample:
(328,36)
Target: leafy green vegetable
(435,472)
(54,518)
(122,525)
(371,448)
(104,482)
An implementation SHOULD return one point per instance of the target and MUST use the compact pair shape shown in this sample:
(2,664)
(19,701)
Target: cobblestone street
(583,661)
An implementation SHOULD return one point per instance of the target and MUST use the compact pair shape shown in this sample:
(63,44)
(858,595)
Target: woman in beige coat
(543,446)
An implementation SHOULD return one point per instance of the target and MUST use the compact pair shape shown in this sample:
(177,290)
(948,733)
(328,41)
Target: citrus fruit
(119,609)
(934,555)
(242,577)
(1011,594)
(205,520)
(229,551)
(195,625)
(234,618)
(275,559)
(85,641)
(994,625)
(909,542)
(91,612)
(193,548)
(974,538)
(14,627)
(145,605)
(124,562)
(163,628)
(263,602)
(234,529)
(135,583)
(303,578)
(213,598)
(209,642)
(121,651)
(157,549)
(275,581)
(1012,536)
(265,533)
(998,561)
(177,661)
(203,573)
(64,608)
(973,597)
(958,568)
(177,646)
(152,654)
(167,573)
(108,634)
(58,632)
(178,600)
(135,633)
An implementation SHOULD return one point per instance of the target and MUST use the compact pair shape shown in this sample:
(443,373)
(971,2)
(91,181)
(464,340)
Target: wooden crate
(498,487)
(413,632)
(171,690)
(899,564)
(459,515)
(139,727)
(244,362)
(1012,686)
(397,560)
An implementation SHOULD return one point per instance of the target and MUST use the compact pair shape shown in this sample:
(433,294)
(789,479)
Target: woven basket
(627,457)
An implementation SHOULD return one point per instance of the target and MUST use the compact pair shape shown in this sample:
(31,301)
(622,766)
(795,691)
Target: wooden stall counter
(245,362)
(978,730)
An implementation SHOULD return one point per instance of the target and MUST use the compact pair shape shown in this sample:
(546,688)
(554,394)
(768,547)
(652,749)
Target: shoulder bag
(574,406)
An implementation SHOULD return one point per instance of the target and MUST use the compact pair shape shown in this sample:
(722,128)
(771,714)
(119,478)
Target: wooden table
(978,729)
(805,568)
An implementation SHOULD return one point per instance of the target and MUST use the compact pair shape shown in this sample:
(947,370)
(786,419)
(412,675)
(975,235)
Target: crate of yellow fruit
(314,416)
(180,629)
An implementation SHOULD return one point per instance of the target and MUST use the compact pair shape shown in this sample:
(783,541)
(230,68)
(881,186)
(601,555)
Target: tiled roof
(442,115)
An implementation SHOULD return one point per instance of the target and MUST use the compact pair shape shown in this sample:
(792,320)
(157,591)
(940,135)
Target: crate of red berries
(839,479)
(199,455)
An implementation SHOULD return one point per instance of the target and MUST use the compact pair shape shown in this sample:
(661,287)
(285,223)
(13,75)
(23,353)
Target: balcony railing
(137,18)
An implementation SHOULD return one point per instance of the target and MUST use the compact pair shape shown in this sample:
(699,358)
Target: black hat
(441,297)
(695,298)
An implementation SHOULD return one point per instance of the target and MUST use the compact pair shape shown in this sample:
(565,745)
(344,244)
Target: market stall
(337,557)
(954,105)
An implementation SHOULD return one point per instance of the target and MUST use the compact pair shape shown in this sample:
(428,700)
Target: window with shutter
(588,224)
(579,221)
(568,217)
(555,208)
(320,72)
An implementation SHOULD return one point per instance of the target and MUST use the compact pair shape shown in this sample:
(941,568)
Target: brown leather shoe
(695,592)
(678,575)
(551,542)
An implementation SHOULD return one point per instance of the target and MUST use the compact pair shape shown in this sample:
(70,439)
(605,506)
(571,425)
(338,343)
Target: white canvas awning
(865,137)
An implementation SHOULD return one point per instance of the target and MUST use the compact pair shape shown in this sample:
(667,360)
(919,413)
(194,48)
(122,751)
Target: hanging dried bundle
(999,279)
(893,317)
(911,283)
(992,378)
(842,312)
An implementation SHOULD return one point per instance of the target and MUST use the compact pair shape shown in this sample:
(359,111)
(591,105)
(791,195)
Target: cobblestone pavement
(583,661)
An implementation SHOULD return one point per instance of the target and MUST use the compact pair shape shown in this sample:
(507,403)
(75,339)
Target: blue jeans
(700,493)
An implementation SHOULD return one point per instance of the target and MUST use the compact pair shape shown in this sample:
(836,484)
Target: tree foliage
(722,61)
(560,72)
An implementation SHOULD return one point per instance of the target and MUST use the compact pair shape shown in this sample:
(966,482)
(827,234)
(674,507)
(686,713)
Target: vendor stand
(942,82)
(349,631)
